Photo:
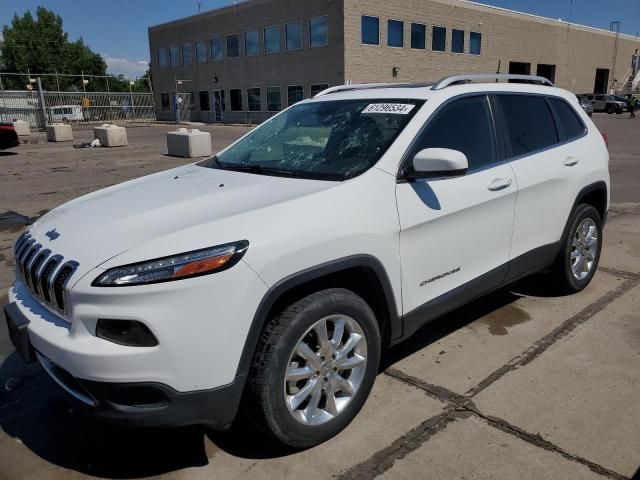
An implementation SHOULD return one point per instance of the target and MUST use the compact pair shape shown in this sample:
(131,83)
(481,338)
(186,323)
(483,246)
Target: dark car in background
(8,136)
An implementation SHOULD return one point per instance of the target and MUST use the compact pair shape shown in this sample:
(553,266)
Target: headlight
(175,267)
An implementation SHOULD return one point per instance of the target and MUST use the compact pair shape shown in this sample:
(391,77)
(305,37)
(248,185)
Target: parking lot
(519,384)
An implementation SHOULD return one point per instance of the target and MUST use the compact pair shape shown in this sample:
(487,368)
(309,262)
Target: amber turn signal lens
(201,266)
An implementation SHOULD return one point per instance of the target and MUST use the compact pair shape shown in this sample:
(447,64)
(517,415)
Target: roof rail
(369,86)
(458,79)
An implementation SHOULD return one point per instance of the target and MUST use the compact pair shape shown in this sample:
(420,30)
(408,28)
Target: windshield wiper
(260,170)
(212,162)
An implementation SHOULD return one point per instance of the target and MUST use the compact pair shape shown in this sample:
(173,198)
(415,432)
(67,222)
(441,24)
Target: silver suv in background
(586,104)
(608,103)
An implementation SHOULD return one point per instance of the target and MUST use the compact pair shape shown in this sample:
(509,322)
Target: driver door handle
(500,184)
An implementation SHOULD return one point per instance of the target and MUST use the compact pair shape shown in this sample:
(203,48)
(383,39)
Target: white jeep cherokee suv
(277,271)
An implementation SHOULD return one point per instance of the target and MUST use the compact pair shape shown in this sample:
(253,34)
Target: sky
(117,29)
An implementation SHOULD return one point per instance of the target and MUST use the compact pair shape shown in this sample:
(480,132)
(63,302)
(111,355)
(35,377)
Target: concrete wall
(506,36)
(302,67)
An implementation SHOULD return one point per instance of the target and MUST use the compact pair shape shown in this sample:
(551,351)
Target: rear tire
(610,110)
(578,259)
(314,367)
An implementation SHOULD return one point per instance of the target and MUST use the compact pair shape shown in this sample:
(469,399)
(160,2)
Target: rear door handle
(571,161)
(500,184)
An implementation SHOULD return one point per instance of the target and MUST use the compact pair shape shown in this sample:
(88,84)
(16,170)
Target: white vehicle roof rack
(486,77)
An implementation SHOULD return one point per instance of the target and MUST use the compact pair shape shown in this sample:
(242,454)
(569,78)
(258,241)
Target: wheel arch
(595,195)
(363,274)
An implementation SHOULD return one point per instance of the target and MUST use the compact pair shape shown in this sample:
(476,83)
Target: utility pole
(43,106)
(614,27)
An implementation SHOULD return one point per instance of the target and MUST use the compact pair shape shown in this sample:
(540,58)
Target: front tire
(578,259)
(314,367)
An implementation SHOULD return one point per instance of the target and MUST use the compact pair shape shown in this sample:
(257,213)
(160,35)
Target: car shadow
(8,154)
(38,413)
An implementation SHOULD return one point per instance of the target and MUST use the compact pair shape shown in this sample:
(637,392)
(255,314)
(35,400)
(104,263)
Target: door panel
(452,231)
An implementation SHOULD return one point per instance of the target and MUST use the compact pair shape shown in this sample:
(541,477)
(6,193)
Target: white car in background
(66,114)
(278,270)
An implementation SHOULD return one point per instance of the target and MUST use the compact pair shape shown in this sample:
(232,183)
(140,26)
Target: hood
(98,226)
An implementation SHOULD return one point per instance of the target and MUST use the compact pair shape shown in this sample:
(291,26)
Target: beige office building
(244,62)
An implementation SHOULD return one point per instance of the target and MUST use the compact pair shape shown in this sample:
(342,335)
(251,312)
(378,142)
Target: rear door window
(529,123)
(570,125)
(464,125)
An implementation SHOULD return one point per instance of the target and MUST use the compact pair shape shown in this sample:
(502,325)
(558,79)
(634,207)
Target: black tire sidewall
(582,212)
(278,417)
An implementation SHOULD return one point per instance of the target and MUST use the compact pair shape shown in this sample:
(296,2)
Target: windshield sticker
(395,108)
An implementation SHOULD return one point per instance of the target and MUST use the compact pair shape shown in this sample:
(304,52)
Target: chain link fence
(40,107)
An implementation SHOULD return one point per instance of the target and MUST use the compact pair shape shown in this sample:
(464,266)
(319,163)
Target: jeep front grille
(45,274)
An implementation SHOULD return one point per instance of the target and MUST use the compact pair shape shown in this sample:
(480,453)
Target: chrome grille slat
(44,274)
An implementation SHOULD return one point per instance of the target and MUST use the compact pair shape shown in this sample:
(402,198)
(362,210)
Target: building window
(395,33)
(439,39)
(475,43)
(295,94)
(293,35)
(162,57)
(201,52)
(457,41)
(187,54)
(418,36)
(253,97)
(318,32)
(370,27)
(165,100)
(251,46)
(204,101)
(216,49)
(235,94)
(173,55)
(274,103)
(233,46)
(316,88)
(272,39)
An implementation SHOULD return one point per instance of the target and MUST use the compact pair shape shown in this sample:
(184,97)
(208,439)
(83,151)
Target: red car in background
(8,136)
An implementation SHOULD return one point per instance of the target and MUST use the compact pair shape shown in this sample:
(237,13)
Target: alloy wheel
(584,248)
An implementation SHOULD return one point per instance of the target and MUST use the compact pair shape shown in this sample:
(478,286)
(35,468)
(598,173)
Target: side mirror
(439,162)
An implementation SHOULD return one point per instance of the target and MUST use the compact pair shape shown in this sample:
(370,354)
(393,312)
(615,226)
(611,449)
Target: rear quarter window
(570,125)
(530,124)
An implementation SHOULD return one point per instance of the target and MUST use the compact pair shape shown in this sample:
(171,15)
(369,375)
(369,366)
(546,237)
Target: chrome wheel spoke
(312,407)
(309,355)
(323,338)
(349,345)
(330,398)
(295,374)
(343,384)
(297,399)
(347,363)
(338,331)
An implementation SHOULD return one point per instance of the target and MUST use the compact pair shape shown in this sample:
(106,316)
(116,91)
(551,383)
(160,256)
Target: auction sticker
(395,108)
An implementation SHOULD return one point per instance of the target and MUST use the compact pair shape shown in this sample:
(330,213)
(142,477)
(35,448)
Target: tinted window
(173,55)
(370,30)
(272,39)
(293,32)
(273,99)
(418,36)
(318,32)
(162,57)
(251,46)
(295,93)
(570,123)
(439,39)
(235,94)
(253,97)
(317,88)
(464,125)
(187,54)
(233,46)
(216,49)
(530,123)
(395,33)
(457,41)
(201,52)
(475,43)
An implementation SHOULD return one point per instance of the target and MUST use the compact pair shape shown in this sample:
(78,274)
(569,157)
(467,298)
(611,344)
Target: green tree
(40,45)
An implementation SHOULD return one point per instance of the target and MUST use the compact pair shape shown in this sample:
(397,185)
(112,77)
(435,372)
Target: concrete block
(59,132)
(22,127)
(188,143)
(111,135)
